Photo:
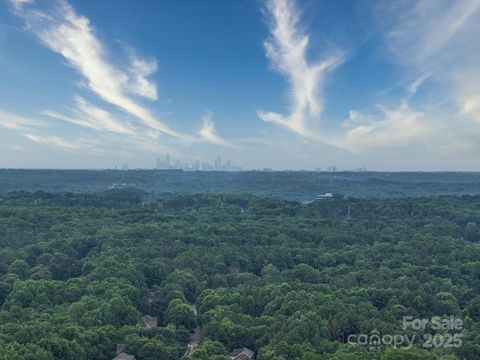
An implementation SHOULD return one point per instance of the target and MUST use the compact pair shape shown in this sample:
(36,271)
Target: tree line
(290,281)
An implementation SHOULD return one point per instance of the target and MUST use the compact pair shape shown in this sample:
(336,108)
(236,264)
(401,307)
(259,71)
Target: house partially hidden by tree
(121,355)
(150,321)
(242,354)
(325,196)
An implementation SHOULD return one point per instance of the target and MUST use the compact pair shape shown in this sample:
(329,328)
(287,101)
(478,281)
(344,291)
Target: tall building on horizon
(163,164)
(196,165)
(218,164)
(206,166)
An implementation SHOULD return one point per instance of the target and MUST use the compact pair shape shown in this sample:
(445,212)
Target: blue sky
(282,84)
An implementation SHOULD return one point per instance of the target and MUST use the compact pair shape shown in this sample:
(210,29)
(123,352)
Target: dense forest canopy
(301,186)
(290,281)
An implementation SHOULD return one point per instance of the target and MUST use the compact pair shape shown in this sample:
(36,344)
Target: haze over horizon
(276,84)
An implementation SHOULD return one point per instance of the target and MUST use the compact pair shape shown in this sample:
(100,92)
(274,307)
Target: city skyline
(272,84)
(167,162)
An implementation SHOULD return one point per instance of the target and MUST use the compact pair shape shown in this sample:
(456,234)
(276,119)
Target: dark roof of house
(124,356)
(150,321)
(121,348)
(245,351)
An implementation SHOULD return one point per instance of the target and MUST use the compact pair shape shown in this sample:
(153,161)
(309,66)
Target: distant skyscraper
(163,164)
(206,166)
(218,164)
(196,165)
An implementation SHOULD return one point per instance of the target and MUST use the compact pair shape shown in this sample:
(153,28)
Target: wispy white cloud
(287,51)
(467,91)
(470,106)
(390,130)
(17,4)
(139,71)
(111,143)
(54,141)
(416,84)
(12,121)
(433,41)
(386,128)
(418,32)
(72,36)
(90,116)
(208,133)
(441,39)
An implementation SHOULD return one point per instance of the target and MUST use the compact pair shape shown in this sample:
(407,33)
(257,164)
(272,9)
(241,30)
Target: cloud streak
(437,42)
(438,39)
(73,37)
(418,32)
(208,133)
(393,129)
(55,141)
(286,50)
(90,116)
(12,121)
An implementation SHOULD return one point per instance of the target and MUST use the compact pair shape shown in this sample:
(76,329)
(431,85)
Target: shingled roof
(237,353)
(124,356)
(150,321)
